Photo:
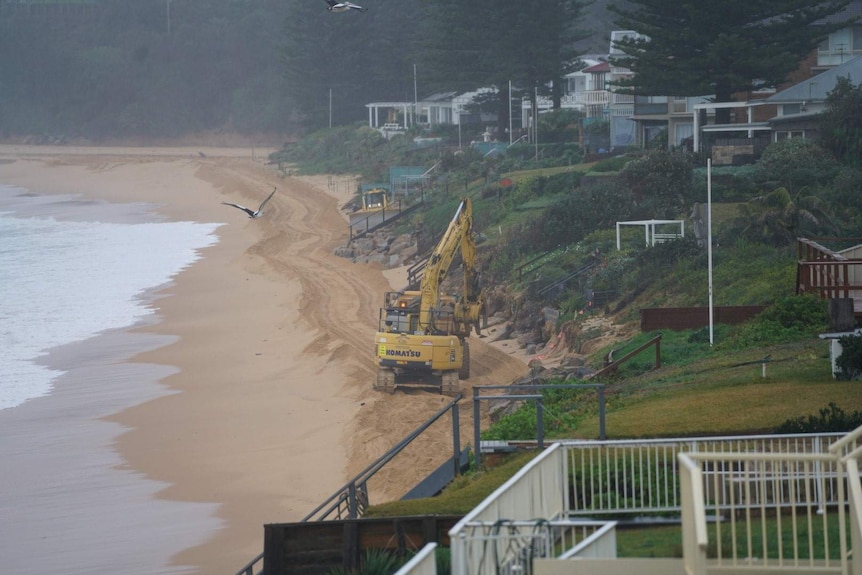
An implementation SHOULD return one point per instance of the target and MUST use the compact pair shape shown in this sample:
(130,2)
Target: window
(682,132)
(824,45)
(788,109)
(786,134)
(857,38)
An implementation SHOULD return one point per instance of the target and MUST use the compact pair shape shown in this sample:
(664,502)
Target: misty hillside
(154,69)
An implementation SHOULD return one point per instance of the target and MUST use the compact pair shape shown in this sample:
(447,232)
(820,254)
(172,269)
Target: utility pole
(536,121)
(709,243)
(510,112)
(415,97)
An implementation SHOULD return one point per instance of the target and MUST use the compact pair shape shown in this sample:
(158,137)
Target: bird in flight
(335,6)
(253,214)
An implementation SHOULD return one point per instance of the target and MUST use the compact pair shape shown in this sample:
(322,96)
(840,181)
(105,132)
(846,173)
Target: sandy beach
(248,399)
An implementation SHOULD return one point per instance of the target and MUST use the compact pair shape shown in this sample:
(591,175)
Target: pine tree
(718,48)
(469,45)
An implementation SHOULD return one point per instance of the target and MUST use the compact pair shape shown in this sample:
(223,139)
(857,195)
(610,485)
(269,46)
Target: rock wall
(383,247)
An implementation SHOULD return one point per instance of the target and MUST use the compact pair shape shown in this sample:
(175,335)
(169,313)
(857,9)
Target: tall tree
(718,48)
(841,122)
(469,45)
(356,57)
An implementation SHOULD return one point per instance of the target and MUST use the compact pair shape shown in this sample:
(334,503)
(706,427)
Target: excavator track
(465,362)
(449,384)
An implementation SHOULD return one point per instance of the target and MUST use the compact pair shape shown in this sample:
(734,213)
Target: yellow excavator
(422,335)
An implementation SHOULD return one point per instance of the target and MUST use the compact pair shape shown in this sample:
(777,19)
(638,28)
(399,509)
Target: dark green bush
(795,163)
(661,184)
(850,360)
(831,418)
(788,319)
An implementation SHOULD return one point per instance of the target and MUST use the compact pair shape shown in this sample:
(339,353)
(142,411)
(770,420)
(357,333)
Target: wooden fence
(318,548)
(679,318)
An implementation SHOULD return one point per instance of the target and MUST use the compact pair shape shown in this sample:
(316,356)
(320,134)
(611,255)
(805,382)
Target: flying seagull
(335,6)
(252,213)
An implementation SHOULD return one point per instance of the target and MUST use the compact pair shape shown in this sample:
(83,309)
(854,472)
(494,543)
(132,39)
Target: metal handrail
(355,492)
(656,341)
(563,281)
(249,567)
(361,479)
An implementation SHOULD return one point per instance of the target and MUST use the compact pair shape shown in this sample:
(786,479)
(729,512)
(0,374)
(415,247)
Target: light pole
(536,121)
(459,128)
(415,98)
(510,112)
(709,241)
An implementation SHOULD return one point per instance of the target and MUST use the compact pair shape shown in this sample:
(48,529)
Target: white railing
(423,563)
(600,544)
(511,547)
(641,476)
(539,491)
(742,479)
(695,538)
(848,450)
(593,97)
(622,98)
(772,515)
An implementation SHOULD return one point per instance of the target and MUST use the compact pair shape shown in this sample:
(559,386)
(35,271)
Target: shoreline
(268,409)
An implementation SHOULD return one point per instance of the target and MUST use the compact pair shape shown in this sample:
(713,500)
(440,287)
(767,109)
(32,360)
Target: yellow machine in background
(371,211)
(422,335)
(375,199)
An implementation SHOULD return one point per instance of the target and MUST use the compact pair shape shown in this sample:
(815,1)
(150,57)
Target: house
(789,112)
(799,105)
(758,118)
(845,44)
(448,108)
(589,90)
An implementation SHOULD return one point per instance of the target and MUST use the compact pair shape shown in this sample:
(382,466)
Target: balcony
(593,98)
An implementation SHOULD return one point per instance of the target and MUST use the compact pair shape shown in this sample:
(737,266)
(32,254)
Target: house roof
(816,88)
(598,68)
(794,118)
(588,62)
(440,97)
(850,12)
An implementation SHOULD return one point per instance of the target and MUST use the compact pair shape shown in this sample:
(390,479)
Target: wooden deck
(830,273)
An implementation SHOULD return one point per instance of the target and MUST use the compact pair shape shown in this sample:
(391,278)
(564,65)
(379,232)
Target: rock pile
(383,247)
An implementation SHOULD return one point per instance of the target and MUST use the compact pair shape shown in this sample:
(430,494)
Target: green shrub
(795,163)
(788,319)
(831,419)
(374,562)
(661,184)
(443,557)
(850,360)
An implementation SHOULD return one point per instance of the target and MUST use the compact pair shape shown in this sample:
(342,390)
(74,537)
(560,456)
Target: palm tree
(779,217)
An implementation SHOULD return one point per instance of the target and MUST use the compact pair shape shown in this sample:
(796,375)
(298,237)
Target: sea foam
(67,275)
